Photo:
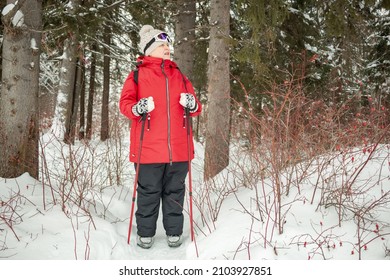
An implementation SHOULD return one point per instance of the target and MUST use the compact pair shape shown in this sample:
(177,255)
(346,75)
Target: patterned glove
(187,100)
(144,105)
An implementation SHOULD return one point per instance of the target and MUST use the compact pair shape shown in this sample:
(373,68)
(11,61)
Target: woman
(161,93)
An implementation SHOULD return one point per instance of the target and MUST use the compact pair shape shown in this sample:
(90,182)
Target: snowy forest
(296,114)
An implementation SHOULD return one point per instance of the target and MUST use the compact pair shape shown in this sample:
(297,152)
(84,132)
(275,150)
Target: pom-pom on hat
(147,34)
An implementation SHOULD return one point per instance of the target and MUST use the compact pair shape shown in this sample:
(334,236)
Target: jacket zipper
(169,112)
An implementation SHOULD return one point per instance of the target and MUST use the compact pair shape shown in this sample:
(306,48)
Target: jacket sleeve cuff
(134,110)
(195,108)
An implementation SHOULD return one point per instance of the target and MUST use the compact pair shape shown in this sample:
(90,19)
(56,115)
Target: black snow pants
(166,183)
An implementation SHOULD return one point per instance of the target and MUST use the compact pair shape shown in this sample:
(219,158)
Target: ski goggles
(162,37)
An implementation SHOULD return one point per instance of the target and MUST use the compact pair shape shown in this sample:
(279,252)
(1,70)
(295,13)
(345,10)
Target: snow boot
(174,240)
(145,242)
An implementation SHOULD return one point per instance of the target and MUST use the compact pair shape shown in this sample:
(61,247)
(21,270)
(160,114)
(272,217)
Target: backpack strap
(136,72)
(136,76)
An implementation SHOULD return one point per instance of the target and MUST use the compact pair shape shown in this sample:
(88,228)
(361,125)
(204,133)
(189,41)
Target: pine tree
(19,126)
(185,36)
(218,111)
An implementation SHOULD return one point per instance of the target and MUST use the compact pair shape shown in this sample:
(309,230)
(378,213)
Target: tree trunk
(185,36)
(104,132)
(19,124)
(67,84)
(91,92)
(66,89)
(70,133)
(218,111)
(82,104)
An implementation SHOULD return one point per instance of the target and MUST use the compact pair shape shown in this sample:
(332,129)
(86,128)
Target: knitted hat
(147,33)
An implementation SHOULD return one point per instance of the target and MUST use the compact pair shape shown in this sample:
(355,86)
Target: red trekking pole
(143,118)
(187,114)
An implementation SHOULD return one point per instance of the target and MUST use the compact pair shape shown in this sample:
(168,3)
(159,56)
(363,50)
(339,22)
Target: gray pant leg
(173,197)
(148,198)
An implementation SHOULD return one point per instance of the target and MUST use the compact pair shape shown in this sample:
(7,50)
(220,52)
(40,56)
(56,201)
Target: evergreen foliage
(335,44)
(340,48)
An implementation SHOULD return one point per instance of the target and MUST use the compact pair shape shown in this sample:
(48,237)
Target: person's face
(162,51)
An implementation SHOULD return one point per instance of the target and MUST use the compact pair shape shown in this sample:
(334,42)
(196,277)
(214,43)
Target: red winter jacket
(165,138)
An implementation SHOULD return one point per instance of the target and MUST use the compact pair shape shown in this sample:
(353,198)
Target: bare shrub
(293,137)
(11,214)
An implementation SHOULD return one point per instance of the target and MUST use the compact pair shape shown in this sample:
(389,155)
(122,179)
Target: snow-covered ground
(33,227)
